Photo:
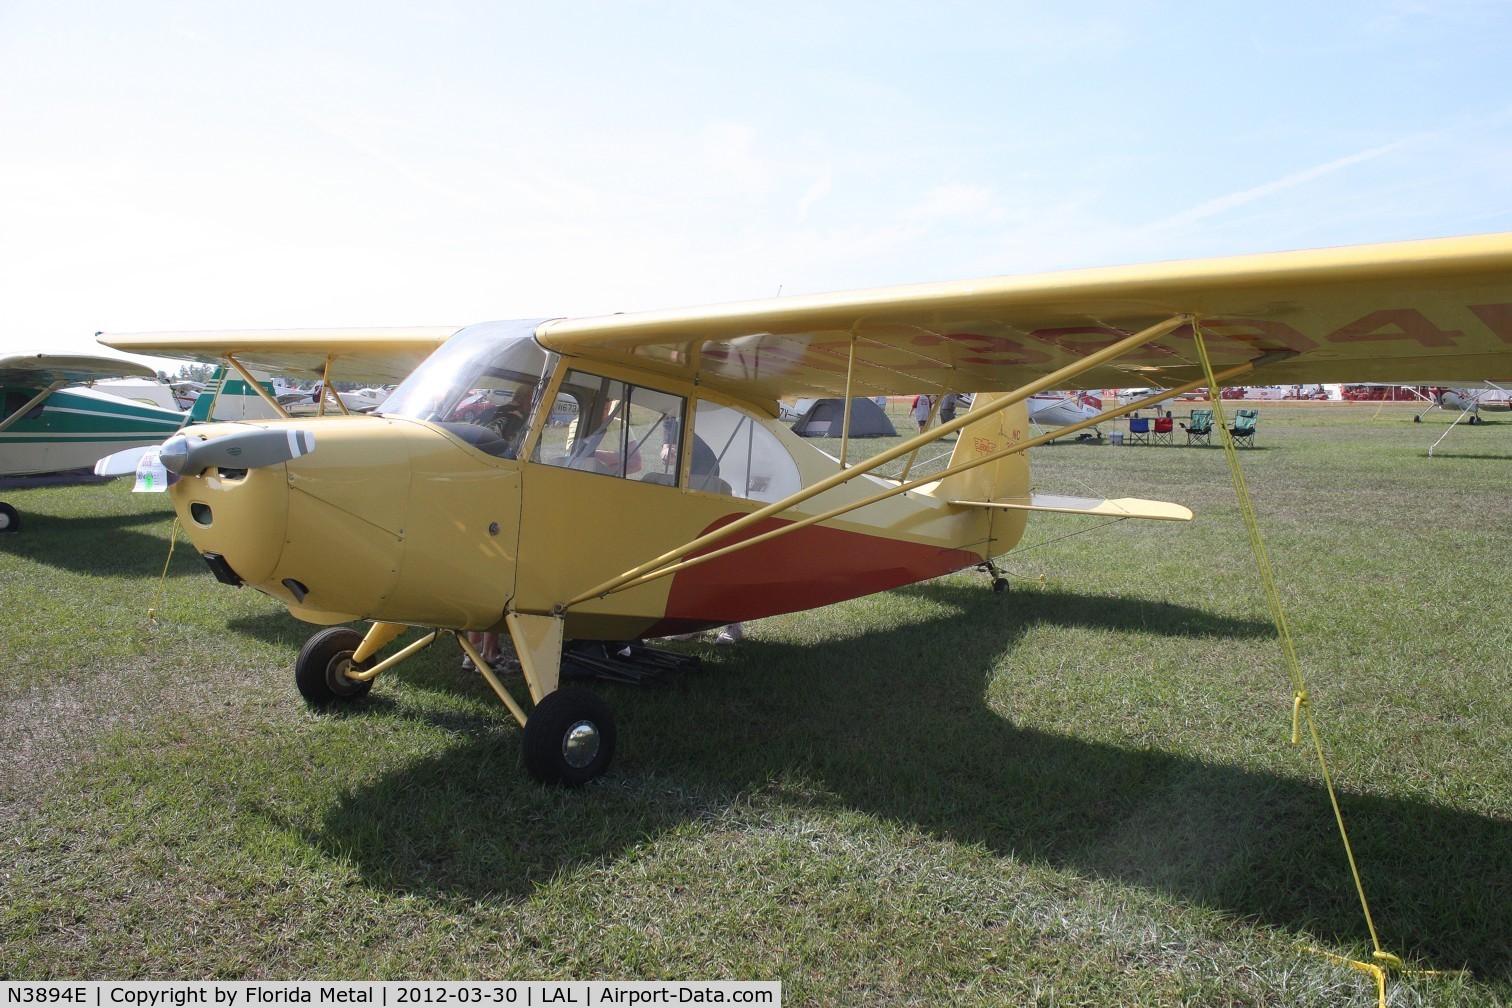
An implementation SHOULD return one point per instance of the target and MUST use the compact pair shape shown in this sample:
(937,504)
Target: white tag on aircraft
(151,477)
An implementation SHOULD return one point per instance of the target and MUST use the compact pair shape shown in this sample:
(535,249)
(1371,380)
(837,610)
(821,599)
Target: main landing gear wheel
(10,518)
(321,669)
(568,738)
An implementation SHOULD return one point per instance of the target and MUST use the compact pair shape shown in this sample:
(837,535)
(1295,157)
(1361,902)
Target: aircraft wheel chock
(568,738)
(10,518)
(321,668)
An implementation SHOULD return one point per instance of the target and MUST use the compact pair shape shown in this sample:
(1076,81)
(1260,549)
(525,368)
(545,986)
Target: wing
(1370,313)
(37,371)
(355,355)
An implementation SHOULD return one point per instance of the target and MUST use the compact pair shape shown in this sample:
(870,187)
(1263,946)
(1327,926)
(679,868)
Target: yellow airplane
(631,478)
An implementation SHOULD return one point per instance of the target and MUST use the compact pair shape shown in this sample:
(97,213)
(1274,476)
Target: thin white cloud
(813,194)
(1224,204)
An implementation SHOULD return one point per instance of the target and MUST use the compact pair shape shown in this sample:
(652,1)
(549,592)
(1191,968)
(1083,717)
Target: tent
(826,418)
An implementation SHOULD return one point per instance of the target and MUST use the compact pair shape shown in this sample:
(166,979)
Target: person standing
(948,404)
(921,409)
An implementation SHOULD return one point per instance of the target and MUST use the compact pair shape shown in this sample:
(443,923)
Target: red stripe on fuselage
(811,567)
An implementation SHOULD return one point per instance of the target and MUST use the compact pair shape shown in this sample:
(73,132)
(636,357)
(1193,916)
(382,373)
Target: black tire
(320,670)
(568,738)
(10,518)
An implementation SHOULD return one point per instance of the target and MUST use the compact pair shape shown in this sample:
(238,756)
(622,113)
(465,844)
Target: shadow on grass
(894,724)
(103,545)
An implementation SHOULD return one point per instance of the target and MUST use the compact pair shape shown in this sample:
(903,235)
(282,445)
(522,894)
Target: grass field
(1080,792)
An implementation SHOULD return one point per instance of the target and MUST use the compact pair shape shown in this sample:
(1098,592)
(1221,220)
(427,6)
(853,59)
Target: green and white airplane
(54,422)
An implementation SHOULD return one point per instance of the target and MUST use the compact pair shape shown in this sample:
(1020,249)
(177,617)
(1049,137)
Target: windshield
(481,385)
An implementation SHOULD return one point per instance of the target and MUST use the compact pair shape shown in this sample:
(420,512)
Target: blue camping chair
(1243,431)
(1139,430)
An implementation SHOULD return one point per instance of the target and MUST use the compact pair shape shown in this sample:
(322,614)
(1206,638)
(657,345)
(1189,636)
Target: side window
(746,458)
(611,427)
(15,399)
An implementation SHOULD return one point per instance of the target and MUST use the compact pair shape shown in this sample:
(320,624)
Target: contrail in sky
(1224,203)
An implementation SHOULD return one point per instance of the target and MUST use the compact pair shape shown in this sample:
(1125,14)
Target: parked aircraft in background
(1060,409)
(53,423)
(1467,401)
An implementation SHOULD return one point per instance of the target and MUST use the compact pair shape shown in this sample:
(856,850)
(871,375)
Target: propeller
(249,449)
(122,463)
(190,456)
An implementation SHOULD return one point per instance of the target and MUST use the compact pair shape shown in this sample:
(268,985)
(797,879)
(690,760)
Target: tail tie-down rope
(1384,961)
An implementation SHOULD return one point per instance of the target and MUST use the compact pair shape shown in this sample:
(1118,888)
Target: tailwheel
(999,580)
(10,518)
(321,669)
(568,738)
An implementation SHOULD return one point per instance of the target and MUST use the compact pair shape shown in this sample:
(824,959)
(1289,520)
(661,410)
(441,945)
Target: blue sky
(231,165)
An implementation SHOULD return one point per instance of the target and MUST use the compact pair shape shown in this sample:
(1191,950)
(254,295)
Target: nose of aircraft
(385,519)
(322,532)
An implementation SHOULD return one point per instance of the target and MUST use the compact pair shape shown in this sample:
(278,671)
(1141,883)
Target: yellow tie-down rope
(163,580)
(1301,707)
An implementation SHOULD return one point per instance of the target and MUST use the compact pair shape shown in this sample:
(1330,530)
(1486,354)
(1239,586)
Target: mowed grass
(1079,792)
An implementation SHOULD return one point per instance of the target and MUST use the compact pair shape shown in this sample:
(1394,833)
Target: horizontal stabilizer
(1123,507)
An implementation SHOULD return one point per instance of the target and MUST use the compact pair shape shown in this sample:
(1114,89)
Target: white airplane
(1062,409)
(1468,400)
(54,424)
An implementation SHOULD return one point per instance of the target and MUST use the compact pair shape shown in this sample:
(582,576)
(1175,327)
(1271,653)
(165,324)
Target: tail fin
(231,398)
(1005,479)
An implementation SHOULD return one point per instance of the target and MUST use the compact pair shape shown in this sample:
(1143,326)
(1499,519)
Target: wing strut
(673,568)
(256,386)
(327,392)
(1055,379)
(39,397)
(850,371)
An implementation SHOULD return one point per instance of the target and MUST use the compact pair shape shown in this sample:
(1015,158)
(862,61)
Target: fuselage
(74,427)
(582,473)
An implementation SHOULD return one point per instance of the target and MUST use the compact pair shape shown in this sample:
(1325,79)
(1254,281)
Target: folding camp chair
(1243,431)
(1199,428)
(1139,430)
(1162,431)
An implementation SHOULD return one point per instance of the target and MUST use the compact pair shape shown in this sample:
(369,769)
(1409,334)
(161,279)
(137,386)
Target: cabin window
(14,400)
(748,459)
(613,428)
